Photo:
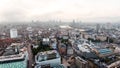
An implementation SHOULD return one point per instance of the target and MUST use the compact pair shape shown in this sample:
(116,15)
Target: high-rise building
(13,33)
(98,28)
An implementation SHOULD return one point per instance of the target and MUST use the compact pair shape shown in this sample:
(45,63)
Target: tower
(98,28)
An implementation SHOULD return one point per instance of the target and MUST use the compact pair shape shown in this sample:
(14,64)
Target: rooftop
(11,57)
(58,66)
(51,58)
(12,60)
(15,63)
(47,55)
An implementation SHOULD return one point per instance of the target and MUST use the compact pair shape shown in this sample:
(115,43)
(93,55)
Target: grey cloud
(13,15)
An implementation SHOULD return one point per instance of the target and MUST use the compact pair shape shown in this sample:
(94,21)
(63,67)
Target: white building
(13,33)
(51,58)
(45,41)
(65,27)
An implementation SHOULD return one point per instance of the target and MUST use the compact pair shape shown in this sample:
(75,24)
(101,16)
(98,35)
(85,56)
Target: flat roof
(14,64)
(11,57)
(18,64)
(57,66)
(47,55)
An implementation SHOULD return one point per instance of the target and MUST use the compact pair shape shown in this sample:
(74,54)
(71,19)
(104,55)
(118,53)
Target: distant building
(65,27)
(45,41)
(98,28)
(54,43)
(13,33)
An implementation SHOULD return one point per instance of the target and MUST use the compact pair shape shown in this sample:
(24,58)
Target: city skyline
(65,10)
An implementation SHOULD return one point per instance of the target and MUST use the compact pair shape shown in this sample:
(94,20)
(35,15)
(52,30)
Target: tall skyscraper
(98,28)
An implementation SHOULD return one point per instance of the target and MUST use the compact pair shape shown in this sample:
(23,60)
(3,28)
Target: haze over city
(64,10)
(59,33)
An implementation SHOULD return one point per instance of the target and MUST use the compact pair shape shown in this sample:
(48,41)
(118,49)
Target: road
(30,55)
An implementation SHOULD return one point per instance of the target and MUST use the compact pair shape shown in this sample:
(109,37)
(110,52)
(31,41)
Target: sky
(64,10)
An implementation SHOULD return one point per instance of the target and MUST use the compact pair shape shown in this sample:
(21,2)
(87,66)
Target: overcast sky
(66,10)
